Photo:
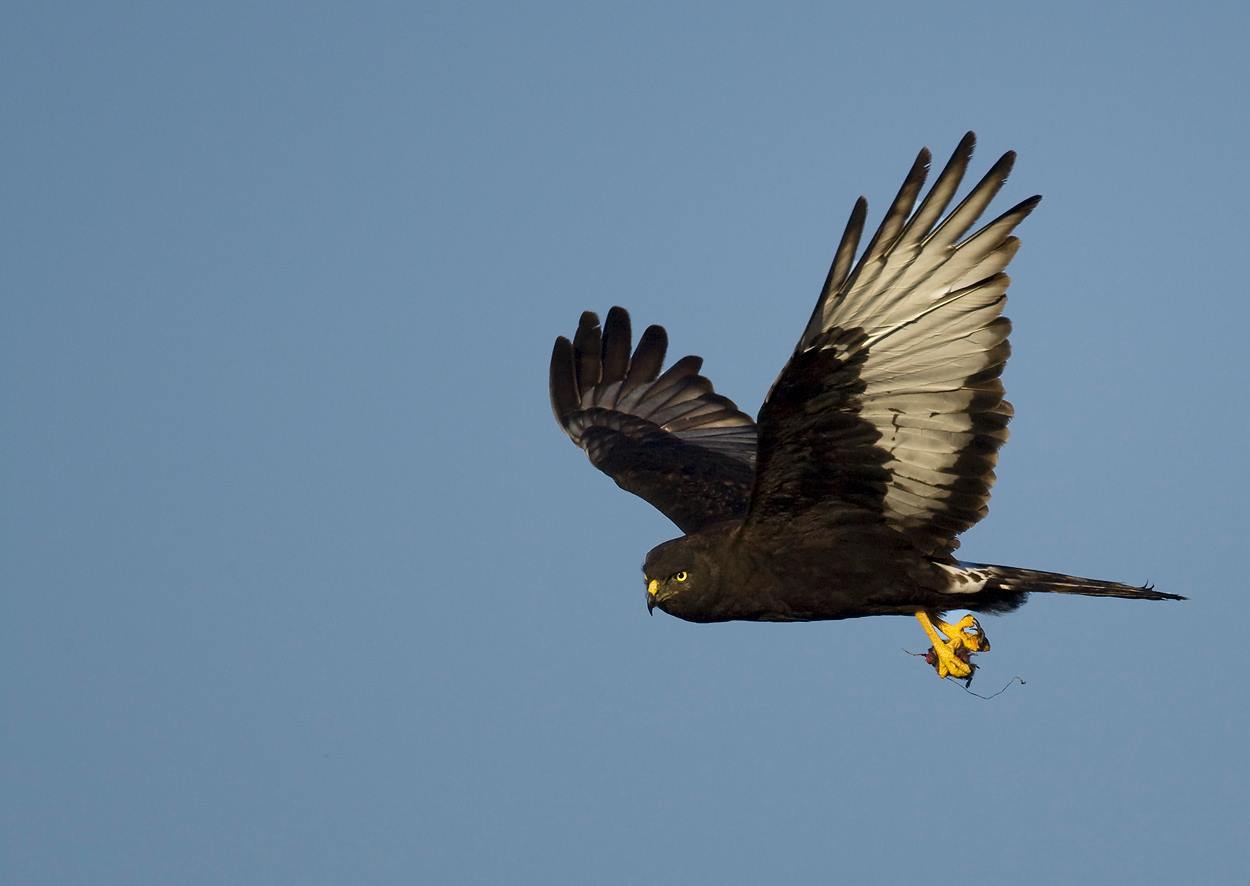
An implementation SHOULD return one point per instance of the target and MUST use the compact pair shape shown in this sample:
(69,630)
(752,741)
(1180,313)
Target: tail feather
(1012,583)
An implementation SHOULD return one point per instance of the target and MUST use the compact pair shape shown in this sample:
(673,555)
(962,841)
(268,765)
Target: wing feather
(667,437)
(892,402)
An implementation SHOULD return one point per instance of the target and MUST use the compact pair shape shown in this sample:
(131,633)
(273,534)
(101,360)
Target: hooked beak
(652,587)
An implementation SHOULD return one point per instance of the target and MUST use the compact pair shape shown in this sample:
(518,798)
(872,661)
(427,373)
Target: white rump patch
(964,578)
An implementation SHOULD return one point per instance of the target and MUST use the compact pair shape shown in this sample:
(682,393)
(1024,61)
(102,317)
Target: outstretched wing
(666,437)
(891,408)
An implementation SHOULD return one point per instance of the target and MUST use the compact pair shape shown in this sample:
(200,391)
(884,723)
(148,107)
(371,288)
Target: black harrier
(874,449)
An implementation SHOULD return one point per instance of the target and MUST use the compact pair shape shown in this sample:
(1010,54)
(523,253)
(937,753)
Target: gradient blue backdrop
(301,584)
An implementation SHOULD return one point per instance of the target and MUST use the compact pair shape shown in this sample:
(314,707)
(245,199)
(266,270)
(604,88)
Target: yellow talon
(967,631)
(950,654)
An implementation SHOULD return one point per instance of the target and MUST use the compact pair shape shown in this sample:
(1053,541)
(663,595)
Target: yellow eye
(681,576)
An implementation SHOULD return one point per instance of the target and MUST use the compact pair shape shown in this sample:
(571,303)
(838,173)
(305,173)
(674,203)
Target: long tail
(1004,588)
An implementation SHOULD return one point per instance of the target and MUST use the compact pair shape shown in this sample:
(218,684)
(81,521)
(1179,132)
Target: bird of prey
(874,449)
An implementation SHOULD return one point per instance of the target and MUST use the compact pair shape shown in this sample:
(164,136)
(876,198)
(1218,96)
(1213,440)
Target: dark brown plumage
(874,449)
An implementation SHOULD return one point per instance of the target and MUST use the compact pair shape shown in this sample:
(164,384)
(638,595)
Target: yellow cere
(653,586)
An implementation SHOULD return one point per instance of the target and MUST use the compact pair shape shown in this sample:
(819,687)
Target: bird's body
(874,449)
(731,579)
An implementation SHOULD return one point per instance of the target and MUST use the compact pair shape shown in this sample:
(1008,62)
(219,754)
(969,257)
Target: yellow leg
(951,653)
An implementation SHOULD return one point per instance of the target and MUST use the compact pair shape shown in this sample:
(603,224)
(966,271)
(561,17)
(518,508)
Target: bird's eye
(681,576)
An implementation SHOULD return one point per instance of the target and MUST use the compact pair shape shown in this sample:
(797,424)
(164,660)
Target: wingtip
(1025,206)
(562,380)
(617,336)
(1002,166)
(966,145)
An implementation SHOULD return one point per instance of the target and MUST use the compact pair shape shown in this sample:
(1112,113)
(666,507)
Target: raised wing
(666,437)
(891,408)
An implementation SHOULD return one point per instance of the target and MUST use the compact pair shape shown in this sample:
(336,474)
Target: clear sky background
(302,584)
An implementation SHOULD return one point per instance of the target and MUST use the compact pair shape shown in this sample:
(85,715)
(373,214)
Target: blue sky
(301,583)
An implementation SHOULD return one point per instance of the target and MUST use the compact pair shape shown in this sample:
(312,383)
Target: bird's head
(680,576)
